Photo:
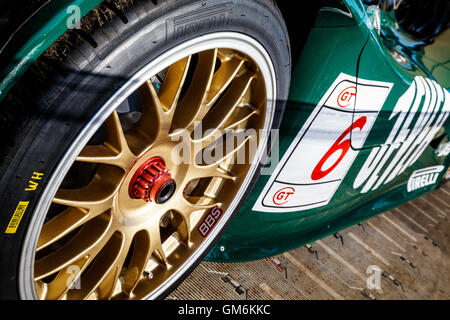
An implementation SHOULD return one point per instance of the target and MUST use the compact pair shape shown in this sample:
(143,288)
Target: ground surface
(410,244)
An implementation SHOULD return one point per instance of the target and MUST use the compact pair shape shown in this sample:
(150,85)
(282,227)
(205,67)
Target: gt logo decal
(339,145)
(282,196)
(344,98)
(324,149)
(210,221)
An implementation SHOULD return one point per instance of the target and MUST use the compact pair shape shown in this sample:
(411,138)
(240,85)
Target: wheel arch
(30,39)
(299,23)
(38,27)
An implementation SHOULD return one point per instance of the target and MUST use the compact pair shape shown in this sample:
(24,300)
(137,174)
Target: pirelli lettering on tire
(331,137)
(204,18)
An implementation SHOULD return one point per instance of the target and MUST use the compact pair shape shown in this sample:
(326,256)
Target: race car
(140,137)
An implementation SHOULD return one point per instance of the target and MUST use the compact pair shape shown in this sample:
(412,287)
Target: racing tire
(90,197)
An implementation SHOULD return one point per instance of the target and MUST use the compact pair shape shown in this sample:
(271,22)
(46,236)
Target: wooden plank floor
(409,244)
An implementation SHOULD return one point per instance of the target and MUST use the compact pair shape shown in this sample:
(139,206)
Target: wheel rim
(134,225)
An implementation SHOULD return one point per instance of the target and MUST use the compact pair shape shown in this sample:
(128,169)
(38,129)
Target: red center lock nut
(152,182)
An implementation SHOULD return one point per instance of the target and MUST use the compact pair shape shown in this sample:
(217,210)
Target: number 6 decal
(344,146)
(318,159)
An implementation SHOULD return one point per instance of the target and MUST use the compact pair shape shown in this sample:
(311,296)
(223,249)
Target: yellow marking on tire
(306,271)
(17,217)
(365,246)
(32,186)
(37,176)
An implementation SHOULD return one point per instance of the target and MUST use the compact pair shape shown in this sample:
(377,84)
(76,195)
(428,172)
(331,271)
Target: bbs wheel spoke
(108,261)
(139,259)
(87,242)
(115,150)
(66,279)
(97,196)
(223,77)
(193,106)
(215,120)
(61,225)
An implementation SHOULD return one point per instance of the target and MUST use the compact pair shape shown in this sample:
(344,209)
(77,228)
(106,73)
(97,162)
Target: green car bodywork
(339,43)
(349,38)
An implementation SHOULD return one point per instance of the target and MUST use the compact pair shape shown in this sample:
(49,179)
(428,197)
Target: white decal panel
(318,159)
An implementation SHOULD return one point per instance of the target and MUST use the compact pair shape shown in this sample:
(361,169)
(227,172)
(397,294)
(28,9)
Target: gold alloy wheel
(128,212)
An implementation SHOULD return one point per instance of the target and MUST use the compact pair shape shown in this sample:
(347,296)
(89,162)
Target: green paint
(330,51)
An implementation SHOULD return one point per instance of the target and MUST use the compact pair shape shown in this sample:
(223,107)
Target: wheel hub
(152,182)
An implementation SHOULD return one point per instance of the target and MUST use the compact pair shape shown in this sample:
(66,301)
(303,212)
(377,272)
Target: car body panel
(349,40)
(388,56)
